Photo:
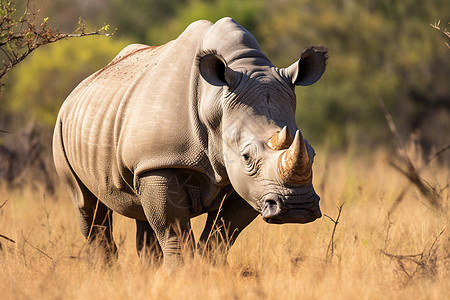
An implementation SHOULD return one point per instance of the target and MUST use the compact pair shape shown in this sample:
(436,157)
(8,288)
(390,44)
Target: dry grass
(401,255)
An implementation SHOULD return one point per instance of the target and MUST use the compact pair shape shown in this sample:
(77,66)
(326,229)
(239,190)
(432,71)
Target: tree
(380,49)
(20,36)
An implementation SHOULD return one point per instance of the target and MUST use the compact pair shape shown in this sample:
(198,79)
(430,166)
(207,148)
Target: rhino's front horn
(282,140)
(293,164)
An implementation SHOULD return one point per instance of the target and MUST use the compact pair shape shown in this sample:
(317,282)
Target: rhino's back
(135,115)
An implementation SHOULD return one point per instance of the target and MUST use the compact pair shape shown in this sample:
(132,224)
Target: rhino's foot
(166,206)
(102,253)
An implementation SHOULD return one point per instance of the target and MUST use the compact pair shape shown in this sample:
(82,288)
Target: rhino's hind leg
(96,224)
(95,219)
(166,207)
(147,245)
(223,227)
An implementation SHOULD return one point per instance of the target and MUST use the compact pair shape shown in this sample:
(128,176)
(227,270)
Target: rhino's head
(265,156)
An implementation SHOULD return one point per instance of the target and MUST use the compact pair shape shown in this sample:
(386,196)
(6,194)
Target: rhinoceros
(202,124)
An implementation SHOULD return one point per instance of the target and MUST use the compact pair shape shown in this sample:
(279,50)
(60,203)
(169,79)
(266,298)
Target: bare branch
(39,250)
(407,168)
(1,235)
(414,177)
(436,26)
(435,241)
(3,204)
(437,153)
(424,262)
(332,244)
(7,238)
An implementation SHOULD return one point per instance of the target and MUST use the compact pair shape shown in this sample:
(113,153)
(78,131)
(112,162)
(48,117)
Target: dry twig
(4,236)
(437,26)
(332,243)
(7,238)
(37,249)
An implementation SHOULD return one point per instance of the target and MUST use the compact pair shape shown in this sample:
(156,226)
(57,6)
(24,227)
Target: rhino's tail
(59,153)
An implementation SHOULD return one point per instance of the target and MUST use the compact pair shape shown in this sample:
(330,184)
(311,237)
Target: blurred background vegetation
(379,50)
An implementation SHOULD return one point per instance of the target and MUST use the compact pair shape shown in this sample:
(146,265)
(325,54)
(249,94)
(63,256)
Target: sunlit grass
(375,257)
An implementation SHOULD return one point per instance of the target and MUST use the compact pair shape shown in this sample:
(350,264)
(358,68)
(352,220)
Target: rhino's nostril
(271,203)
(270,208)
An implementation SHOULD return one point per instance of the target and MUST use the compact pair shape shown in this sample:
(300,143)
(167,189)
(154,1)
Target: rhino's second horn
(282,140)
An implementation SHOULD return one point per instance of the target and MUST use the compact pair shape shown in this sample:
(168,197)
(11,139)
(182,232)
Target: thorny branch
(19,37)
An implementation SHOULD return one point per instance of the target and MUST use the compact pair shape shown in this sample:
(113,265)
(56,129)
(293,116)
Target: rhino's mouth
(277,211)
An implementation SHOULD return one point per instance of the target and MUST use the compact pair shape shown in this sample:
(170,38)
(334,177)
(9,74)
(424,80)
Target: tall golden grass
(388,243)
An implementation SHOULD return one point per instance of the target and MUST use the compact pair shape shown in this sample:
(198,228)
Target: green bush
(39,85)
(378,50)
(248,13)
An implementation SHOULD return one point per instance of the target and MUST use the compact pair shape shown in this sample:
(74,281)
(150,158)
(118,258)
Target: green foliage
(38,87)
(378,50)
(134,18)
(248,13)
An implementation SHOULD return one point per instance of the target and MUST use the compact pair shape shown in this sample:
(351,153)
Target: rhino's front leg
(166,207)
(223,227)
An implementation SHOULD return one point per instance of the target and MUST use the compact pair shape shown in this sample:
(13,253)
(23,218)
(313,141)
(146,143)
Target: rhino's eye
(248,159)
(247,155)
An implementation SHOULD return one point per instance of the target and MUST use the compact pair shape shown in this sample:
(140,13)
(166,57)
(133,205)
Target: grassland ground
(388,244)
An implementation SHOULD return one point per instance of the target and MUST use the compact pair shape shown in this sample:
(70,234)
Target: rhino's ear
(309,68)
(214,70)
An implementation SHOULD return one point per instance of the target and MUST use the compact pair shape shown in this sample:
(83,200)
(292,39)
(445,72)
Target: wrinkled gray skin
(163,134)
